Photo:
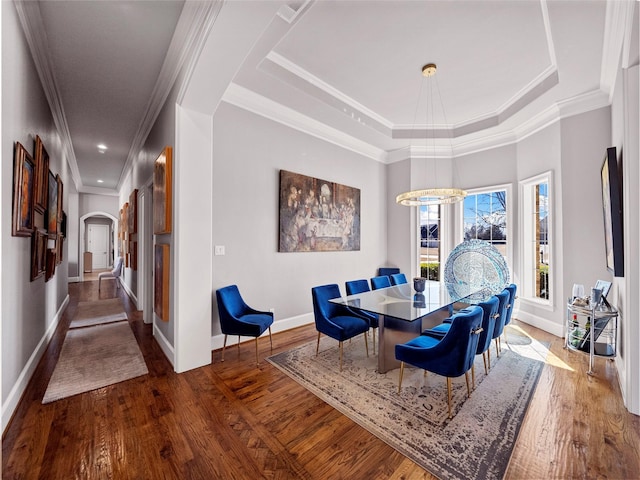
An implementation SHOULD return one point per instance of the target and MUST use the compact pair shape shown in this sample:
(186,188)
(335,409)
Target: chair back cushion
(513,288)
(503,298)
(322,307)
(386,271)
(380,282)
(231,307)
(117,267)
(357,286)
(489,311)
(398,278)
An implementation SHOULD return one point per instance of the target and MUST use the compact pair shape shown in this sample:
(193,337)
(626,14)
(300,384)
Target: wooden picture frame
(38,253)
(41,181)
(59,248)
(52,206)
(161,281)
(24,172)
(60,198)
(162,192)
(50,260)
(132,217)
(317,215)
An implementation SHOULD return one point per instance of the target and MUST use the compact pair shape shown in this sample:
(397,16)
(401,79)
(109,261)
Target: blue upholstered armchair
(398,278)
(337,321)
(238,318)
(503,297)
(450,356)
(381,281)
(359,286)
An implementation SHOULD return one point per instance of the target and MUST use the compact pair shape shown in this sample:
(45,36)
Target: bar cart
(592,329)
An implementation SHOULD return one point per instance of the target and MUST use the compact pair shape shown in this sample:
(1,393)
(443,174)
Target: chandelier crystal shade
(430,196)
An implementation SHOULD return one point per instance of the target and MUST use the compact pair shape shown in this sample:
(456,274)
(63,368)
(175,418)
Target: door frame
(81,235)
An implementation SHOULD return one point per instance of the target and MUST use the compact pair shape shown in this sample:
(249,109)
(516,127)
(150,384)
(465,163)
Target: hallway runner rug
(93,358)
(98,312)
(475,444)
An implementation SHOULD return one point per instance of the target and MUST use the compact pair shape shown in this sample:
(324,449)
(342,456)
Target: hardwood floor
(232,420)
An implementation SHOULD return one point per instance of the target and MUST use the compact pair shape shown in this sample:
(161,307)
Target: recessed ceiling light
(100,181)
(102,146)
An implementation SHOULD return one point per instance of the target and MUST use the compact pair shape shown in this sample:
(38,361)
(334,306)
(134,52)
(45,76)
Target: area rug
(98,312)
(475,444)
(93,358)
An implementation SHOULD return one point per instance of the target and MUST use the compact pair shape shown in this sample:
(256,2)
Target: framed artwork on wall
(132,214)
(317,215)
(612,211)
(24,171)
(41,180)
(52,206)
(60,189)
(161,281)
(38,253)
(59,245)
(50,268)
(162,191)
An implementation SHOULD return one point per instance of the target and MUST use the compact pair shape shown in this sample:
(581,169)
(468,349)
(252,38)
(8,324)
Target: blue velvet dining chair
(503,298)
(336,321)
(489,316)
(381,281)
(238,318)
(513,289)
(398,278)
(451,356)
(386,271)
(354,287)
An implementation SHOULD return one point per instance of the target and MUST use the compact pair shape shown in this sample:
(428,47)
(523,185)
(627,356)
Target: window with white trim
(536,237)
(430,242)
(485,218)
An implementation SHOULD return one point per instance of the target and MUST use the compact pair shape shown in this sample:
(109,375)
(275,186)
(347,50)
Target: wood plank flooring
(232,420)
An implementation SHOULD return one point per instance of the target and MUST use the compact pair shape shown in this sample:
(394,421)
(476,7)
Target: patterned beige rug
(93,358)
(475,444)
(98,312)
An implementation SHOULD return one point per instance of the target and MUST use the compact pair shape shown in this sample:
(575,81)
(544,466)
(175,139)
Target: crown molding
(248,100)
(192,29)
(619,19)
(35,34)
(99,191)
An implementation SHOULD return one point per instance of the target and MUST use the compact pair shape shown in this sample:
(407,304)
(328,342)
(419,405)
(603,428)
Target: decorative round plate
(476,265)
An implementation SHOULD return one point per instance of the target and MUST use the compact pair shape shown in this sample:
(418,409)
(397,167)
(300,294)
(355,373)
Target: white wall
(30,310)
(249,151)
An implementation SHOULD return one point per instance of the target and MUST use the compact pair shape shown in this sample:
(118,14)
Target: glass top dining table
(404,313)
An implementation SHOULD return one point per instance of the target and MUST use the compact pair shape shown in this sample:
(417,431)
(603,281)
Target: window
(430,241)
(537,239)
(485,218)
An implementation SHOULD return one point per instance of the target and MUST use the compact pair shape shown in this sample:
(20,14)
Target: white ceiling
(352,66)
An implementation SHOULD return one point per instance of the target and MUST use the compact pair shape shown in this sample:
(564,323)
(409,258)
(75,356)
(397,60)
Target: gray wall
(249,152)
(29,309)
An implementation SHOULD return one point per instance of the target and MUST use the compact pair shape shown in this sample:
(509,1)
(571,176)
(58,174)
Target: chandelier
(431,196)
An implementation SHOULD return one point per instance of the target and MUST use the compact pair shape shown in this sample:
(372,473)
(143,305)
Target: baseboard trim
(278,326)
(126,288)
(539,322)
(165,346)
(73,280)
(10,405)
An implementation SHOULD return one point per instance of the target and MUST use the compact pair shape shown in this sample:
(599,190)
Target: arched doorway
(82,237)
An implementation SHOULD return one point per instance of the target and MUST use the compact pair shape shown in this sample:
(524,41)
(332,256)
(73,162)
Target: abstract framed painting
(612,212)
(41,180)
(132,213)
(161,281)
(162,201)
(317,215)
(60,198)
(24,171)
(52,206)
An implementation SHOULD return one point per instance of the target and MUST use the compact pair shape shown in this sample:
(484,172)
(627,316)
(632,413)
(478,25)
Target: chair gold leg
(238,344)
(466,377)
(473,377)
(484,359)
(340,356)
(424,374)
(497,349)
(318,344)
(366,343)
(489,357)
(449,395)
(373,333)
(223,346)
(270,339)
(401,374)
(257,363)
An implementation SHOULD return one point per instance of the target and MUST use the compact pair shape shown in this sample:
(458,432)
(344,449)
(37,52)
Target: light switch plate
(218,250)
